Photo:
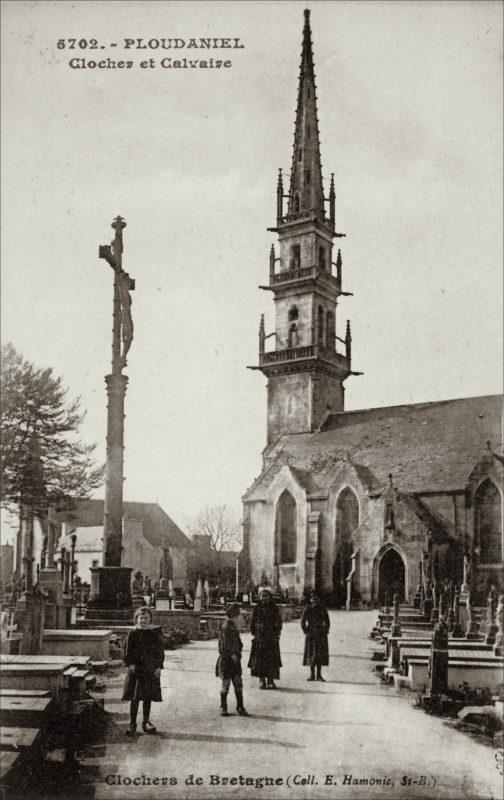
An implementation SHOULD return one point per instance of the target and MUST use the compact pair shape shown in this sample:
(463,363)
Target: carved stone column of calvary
(111,582)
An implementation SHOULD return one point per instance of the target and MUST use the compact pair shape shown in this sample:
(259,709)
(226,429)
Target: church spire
(306,191)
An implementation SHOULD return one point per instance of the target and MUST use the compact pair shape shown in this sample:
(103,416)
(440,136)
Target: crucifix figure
(123,285)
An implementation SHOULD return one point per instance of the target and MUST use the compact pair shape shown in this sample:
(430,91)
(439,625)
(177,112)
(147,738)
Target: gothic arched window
(285,529)
(296,202)
(293,313)
(330,329)
(488,523)
(347,520)
(322,258)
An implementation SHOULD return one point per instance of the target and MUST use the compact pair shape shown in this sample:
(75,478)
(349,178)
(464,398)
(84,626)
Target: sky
(410,117)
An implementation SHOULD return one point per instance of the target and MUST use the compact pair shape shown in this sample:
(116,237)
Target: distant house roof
(427,447)
(158,528)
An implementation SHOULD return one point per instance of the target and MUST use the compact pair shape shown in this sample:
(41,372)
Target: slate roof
(428,447)
(158,528)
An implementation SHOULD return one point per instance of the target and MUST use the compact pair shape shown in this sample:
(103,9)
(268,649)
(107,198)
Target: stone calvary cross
(110,585)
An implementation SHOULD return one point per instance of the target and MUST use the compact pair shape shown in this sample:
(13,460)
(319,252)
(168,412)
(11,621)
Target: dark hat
(233,610)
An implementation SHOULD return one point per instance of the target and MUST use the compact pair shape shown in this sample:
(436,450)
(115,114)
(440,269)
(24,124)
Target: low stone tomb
(460,654)
(24,693)
(476,674)
(14,738)
(93,643)
(425,644)
(77,679)
(25,712)
(42,658)
(9,763)
(412,626)
(34,676)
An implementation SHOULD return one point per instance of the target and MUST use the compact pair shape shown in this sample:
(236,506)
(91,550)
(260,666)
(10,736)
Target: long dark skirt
(265,661)
(316,650)
(142,685)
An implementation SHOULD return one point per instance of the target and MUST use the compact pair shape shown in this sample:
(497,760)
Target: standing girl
(144,657)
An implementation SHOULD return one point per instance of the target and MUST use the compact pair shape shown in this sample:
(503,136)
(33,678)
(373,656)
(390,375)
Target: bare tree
(220,525)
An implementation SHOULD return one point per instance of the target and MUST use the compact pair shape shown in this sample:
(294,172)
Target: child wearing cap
(228,667)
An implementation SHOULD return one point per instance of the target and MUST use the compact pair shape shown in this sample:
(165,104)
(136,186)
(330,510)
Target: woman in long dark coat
(315,624)
(265,627)
(144,657)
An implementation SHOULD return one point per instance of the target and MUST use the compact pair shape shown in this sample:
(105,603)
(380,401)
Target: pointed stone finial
(272,262)
(332,202)
(339,265)
(348,342)
(262,335)
(280,193)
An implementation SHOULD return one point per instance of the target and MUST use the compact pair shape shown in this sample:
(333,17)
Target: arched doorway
(347,520)
(391,577)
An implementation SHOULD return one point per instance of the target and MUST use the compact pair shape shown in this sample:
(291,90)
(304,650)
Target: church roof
(427,447)
(158,528)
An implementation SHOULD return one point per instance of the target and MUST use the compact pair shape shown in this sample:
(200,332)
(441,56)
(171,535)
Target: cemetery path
(326,734)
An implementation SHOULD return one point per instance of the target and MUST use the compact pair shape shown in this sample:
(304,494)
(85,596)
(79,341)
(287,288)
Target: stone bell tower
(305,371)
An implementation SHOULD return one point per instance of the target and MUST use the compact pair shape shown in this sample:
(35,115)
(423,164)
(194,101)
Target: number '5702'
(73,44)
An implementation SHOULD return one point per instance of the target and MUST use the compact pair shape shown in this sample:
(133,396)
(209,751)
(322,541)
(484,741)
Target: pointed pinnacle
(338,264)
(348,334)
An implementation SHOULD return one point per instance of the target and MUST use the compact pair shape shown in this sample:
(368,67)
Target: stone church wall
(288,404)
(327,396)
(262,543)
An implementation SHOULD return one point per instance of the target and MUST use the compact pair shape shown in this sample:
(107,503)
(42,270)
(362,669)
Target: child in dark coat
(144,657)
(315,624)
(228,667)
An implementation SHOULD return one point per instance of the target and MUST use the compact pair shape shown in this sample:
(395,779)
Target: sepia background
(410,107)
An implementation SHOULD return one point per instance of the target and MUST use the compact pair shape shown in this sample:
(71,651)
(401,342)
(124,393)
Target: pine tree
(42,459)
